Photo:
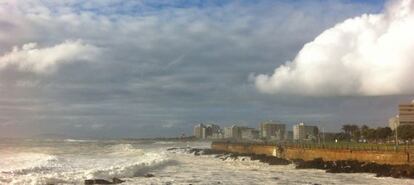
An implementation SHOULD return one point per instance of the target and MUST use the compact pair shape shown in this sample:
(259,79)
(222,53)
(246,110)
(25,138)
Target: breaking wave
(138,168)
(120,160)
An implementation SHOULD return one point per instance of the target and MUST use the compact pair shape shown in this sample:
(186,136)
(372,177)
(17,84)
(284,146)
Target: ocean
(67,161)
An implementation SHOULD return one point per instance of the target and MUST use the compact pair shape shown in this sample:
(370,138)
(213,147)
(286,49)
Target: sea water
(67,161)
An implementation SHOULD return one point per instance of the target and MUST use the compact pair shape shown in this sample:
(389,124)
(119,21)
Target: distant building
(232,132)
(202,131)
(249,133)
(218,135)
(289,135)
(406,114)
(199,131)
(273,130)
(211,129)
(299,131)
(235,132)
(305,132)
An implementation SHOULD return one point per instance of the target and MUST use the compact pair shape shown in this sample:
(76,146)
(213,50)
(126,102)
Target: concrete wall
(380,157)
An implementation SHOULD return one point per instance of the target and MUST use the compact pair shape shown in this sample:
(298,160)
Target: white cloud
(32,58)
(367,55)
(151,57)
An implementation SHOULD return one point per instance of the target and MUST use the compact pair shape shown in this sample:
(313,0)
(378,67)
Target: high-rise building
(228,132)
(406,114)
(305,132)
(273,130)
(199,131)
(249,133)
(212,129)
(234,132)
(202,131)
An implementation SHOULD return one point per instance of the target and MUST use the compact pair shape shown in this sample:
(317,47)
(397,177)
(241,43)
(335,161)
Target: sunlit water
(73,161)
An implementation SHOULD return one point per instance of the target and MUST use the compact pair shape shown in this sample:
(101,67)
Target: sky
(155,68)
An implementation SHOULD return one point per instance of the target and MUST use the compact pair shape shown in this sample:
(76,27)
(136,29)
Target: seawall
(380,157)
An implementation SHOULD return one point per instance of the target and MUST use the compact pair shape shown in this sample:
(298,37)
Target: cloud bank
(367,55)
(160,65)
(31,58)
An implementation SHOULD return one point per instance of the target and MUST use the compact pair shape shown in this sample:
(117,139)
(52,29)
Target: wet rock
(117,181)
(271,160)
(97,181)
(226,155)
(149,175)
(316,163)
(103,181)
(197,151)
(353,166)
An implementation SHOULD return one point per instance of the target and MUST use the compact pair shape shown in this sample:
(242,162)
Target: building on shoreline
(406,114)
(249,133)
(231,132)
(273,130)
(302,132)
(198,130)
(240,132)
(209,131)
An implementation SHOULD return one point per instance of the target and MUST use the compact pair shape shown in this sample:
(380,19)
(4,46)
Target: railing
(328,145)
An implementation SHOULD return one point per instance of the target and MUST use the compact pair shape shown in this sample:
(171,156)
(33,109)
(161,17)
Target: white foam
(22,163)
(79,140)
(121,160)
(129,161)
(125,149)
(128,168)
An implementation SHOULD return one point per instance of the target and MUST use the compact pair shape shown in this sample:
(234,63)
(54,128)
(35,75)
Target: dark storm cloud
(162,66)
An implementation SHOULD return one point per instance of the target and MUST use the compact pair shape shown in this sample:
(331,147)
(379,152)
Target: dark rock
(270,159)
(353,166)
(149,175)
(97,181)
(117,181)
(316,163)
(225,155)
(103,181)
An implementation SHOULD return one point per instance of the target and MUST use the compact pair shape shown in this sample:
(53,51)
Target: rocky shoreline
(227,155)
(340,166)
(353,166)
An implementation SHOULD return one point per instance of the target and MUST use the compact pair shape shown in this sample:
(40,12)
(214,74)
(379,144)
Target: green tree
(347,129)
(371,134)
(342,136)
(364,127)
(383,133)
(364,131)
(406,132)
(354,132)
